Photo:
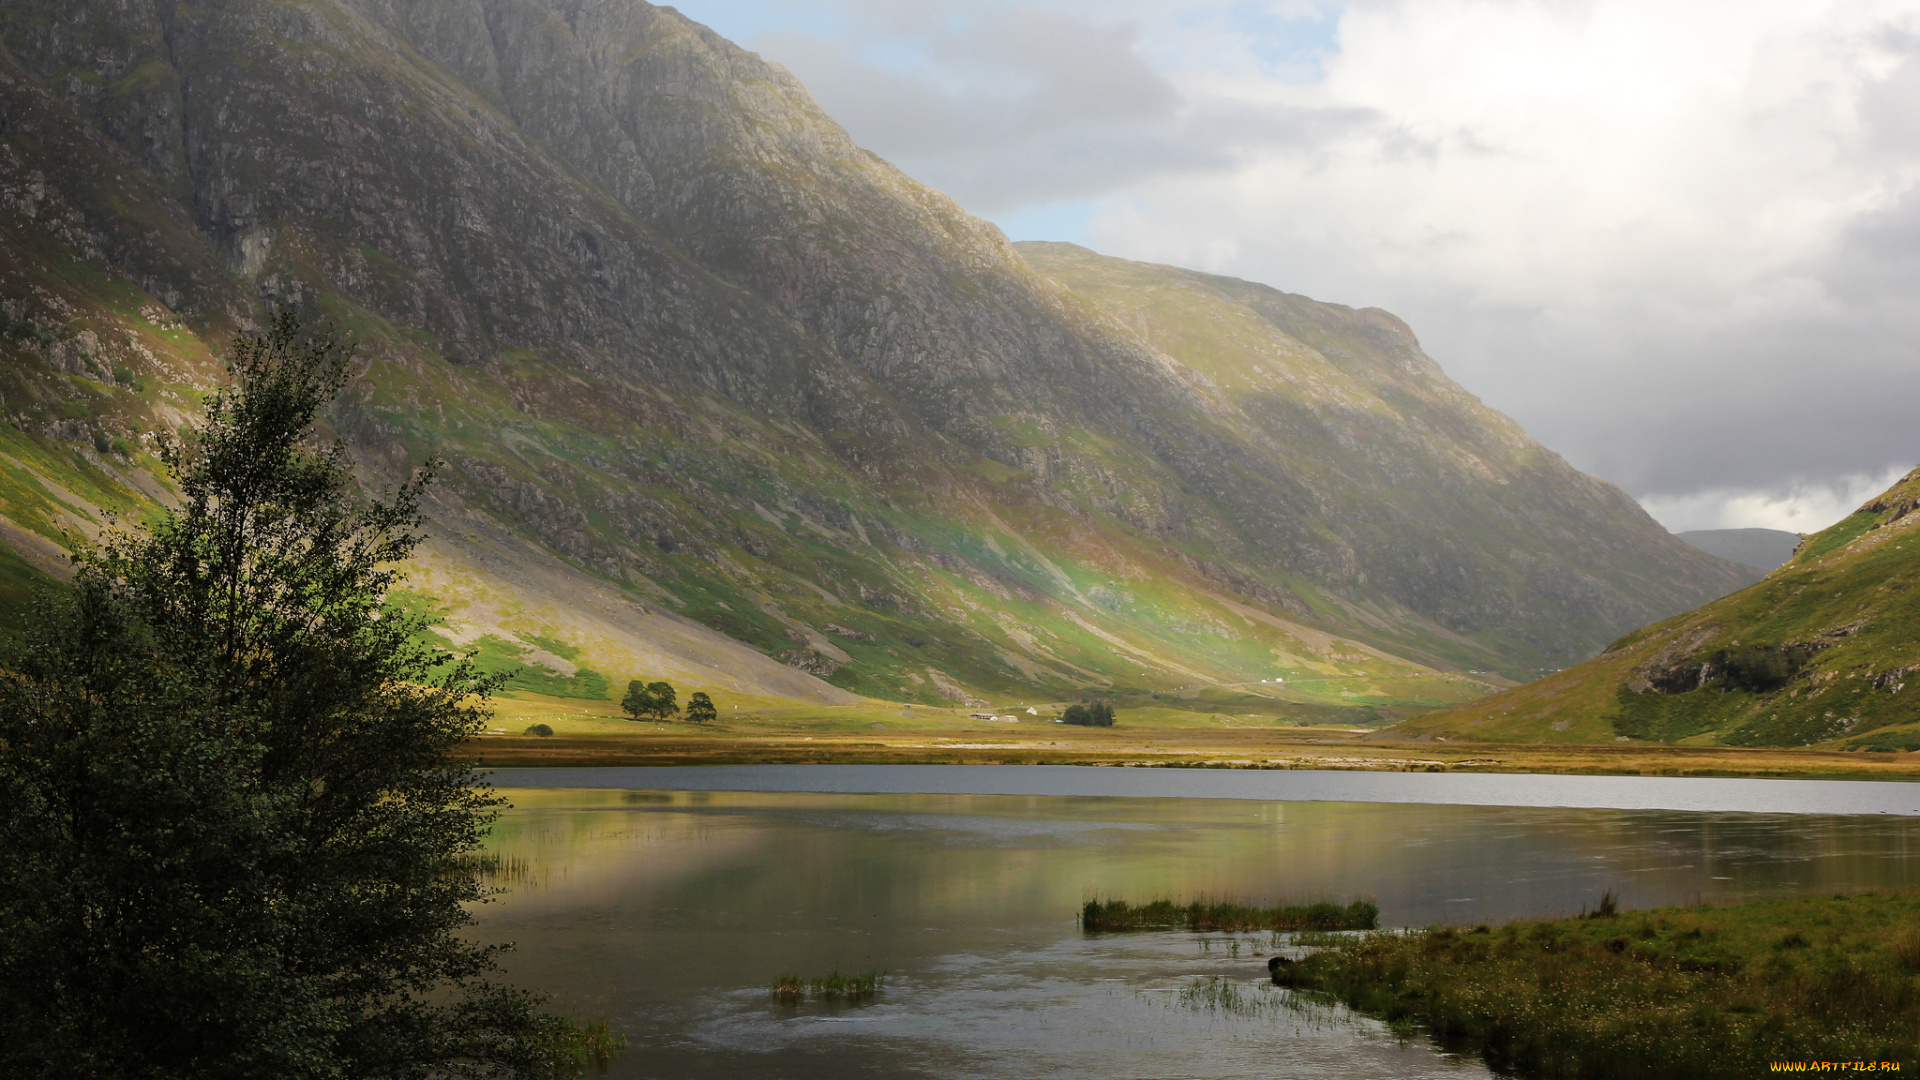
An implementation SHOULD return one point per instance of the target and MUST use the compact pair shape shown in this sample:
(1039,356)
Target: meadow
(1235,735)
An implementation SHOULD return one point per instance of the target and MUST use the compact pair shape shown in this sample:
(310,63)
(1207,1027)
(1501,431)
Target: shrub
(1757,668)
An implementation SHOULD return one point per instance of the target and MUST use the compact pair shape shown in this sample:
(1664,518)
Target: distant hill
(1760,548)
(1820,652)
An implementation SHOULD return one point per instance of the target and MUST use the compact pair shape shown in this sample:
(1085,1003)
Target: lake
(668,899)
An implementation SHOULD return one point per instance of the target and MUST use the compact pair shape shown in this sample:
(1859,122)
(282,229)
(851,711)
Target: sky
(1679,243)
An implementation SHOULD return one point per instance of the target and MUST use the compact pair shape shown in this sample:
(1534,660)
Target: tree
(654,699)
(665,703)
(1098,714)
(232,803)
(700,708)
(638,703)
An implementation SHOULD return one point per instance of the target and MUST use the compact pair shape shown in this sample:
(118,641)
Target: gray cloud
(1013,106)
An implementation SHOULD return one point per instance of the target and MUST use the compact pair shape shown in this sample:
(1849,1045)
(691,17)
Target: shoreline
(1239,749)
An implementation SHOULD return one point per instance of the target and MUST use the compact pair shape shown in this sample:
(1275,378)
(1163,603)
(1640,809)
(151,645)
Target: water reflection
(670,913)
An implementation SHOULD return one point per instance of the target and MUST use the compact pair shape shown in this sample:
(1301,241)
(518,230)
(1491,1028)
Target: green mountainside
(726,399)
(1821,651)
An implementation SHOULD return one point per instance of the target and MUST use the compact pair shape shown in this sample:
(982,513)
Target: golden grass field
(767,731)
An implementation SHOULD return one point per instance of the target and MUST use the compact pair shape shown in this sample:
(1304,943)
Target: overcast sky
(1680,243)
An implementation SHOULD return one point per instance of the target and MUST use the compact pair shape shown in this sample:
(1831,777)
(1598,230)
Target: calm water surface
(669,911)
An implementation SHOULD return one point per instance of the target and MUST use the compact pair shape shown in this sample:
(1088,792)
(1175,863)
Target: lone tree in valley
(236,817)
(700,708)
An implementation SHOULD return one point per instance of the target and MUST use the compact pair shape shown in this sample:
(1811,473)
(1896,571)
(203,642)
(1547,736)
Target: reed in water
(1227,915)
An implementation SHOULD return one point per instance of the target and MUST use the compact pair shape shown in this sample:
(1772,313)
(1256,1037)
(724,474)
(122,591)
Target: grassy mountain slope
(1823,651)
(1445,505)
(728,399)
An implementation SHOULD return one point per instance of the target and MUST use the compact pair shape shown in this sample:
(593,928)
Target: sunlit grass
(1696,992)
(793,989)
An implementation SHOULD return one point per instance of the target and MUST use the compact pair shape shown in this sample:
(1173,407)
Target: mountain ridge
(673,330)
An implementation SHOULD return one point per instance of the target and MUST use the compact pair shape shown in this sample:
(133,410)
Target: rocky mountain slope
(1825,650)
(726,398)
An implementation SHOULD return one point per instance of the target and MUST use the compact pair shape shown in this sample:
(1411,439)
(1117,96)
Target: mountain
(727,399)
(1821,651)
(1762,549)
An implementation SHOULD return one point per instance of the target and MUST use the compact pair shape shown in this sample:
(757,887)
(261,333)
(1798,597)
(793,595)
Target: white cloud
(1670,239)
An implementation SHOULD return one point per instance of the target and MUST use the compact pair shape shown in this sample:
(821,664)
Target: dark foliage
(1097,714)
(1757,668)
(230,792)
(655,700)
(700,708)
(636,704)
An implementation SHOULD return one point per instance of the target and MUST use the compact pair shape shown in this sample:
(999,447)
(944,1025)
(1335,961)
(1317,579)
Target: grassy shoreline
(765,731)
(1675,992)
(1175,750)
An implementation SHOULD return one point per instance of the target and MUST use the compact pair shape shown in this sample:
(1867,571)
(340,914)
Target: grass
(495,655)
(1676,992)
(1219,995)
(590,1042)
(1201,915)
(773,731)
(792,989)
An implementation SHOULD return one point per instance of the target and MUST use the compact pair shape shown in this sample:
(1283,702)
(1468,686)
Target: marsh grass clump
(792,989)
(593,1042)
(1905,947)
(493,868)
(1226,915)
(1219,995)
(1695,992)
